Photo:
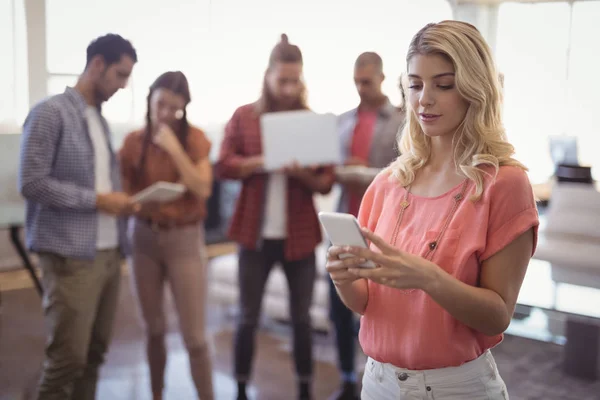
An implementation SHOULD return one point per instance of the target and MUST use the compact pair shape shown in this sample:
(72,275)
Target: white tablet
(161,192)
(344,230)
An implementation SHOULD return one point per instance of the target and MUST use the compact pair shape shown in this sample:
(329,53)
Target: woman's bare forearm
(479,308)
(354,295)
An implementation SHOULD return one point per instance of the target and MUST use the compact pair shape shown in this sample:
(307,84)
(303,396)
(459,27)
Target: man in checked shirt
(70,180)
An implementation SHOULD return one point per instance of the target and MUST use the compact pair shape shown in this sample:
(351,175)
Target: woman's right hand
(338,269)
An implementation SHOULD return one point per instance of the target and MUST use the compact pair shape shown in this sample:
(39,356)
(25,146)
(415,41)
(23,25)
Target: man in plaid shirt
(70,179)
(275,219)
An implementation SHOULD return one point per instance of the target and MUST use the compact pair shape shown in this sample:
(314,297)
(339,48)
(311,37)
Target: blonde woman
(452,225)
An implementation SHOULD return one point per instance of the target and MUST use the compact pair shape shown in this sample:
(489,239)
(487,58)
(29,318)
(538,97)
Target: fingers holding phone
(338,267)
(344,230)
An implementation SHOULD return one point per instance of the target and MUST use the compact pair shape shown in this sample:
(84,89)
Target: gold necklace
(431,246)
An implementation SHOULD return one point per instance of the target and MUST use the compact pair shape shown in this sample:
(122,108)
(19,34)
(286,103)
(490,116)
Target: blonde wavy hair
(480,139)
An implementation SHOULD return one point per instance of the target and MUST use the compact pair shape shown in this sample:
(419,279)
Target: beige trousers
(178,256)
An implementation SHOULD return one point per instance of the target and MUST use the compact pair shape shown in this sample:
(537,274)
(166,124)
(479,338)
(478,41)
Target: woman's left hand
(166,139)
(395,268)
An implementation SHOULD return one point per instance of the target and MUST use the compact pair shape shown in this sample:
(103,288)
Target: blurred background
(546,50)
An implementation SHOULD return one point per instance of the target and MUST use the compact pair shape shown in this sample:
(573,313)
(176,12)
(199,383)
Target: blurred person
(168,239)
(69,176)
(275,218)
(368,135)
(402,84)
(452,225)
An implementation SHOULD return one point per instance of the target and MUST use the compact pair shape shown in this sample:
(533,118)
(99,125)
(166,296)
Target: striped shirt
(243,139)
(57,179)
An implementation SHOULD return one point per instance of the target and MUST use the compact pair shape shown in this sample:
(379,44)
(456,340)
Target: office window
(58,83)
(532,45)
(544,50)
(166,37)
(583,84)
(223,46)
(330,36)
(13,68)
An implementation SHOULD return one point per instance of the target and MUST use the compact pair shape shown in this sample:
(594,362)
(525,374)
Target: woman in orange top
(452,225)
(168,240)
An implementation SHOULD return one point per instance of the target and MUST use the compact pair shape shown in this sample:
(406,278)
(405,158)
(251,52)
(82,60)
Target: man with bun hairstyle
(275,219)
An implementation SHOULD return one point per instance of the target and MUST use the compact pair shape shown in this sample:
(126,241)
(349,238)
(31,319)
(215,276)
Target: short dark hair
(111,47)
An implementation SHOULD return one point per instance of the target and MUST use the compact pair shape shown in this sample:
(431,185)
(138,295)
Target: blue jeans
(346,330)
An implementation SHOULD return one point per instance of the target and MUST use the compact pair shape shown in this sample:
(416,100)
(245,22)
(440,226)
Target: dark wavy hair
(111,47)
(176,82)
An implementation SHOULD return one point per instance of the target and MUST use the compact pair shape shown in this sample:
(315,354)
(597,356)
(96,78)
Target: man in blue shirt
(368,137)
(75,218)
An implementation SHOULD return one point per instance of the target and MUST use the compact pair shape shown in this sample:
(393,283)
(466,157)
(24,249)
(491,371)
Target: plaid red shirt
(243,139)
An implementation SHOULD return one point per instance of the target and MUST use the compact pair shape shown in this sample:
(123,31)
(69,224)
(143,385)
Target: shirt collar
(78,100)
(386,110)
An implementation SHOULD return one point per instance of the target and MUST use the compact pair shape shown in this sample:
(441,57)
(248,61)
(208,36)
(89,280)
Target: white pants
(476,380)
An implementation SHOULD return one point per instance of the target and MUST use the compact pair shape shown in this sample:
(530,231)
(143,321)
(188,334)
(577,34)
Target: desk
(12,217)
(543,191)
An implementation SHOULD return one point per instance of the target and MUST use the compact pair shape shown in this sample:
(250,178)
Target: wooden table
(12,217)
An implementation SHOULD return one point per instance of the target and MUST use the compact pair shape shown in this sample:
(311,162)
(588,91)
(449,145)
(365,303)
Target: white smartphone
(344,230)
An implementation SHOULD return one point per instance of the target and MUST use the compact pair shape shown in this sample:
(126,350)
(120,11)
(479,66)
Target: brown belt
(166,225)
